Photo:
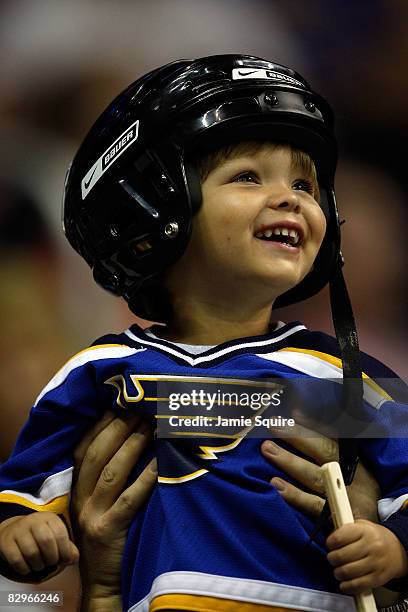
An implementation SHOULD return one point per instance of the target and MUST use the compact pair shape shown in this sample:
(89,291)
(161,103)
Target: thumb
(74,554)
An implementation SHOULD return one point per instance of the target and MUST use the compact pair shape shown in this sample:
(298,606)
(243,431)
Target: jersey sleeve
(37,476)
(386,456)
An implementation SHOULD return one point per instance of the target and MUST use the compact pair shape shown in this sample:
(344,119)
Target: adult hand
(102,508)
(363,493)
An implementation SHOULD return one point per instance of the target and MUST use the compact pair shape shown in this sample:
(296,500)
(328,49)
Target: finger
(310,504)
(360,585)
(115,474)
(311,444)
(30,550)
(131,500)
(67,551)
(301,470)
(90,435)
(297,430)
(317,424)
(13,556)
(46,542)
(74,554)
(343,536)
(347,554)
(353,570)
(99,453)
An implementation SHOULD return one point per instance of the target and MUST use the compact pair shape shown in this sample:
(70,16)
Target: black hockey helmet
(132,190)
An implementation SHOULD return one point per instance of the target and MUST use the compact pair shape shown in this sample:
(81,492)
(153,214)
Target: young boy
(204,196)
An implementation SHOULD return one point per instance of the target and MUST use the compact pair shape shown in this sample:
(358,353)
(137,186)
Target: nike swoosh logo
(87,183)
(246,73)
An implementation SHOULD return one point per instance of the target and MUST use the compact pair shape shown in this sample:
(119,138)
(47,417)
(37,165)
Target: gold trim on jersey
(122,389)
(335,361)
(100,351)
(208,379)
(185,478)
(93,348)
(210,452)
(203,434)
(203,603)
(58,505)
(202,592)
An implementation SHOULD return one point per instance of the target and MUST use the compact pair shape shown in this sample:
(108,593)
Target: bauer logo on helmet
(108,157)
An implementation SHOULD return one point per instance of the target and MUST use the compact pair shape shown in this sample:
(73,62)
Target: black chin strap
(346,333)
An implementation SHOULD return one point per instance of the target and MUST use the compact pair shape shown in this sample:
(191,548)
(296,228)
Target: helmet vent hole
(138,198)
(310,106)
(271,99)
(142,247)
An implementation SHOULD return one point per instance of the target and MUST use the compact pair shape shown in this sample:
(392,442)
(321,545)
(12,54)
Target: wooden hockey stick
(341,512)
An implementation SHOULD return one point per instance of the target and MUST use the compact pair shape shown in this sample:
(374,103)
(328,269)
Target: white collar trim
(216,354)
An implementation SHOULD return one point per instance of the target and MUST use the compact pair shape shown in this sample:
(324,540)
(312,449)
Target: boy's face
(246,199)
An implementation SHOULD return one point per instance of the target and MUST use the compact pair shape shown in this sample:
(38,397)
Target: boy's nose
(286,200)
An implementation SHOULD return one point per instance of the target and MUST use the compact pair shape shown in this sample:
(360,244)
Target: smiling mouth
(282,235)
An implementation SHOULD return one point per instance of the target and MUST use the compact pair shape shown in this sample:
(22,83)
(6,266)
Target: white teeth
(292,234)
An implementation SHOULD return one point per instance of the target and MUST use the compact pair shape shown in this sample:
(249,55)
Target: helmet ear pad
(152,301)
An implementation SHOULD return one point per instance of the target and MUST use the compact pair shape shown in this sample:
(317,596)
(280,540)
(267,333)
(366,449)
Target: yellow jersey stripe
(167,480)
(202,603)
(339,364)
(92,353)
(58,505)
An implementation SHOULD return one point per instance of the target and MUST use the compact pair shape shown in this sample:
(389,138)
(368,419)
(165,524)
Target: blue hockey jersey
(215,535)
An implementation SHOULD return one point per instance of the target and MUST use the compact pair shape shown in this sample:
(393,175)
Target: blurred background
(63,62)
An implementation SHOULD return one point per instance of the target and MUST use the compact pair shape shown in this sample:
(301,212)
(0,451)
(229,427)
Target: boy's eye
(304,185)
(245,177)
